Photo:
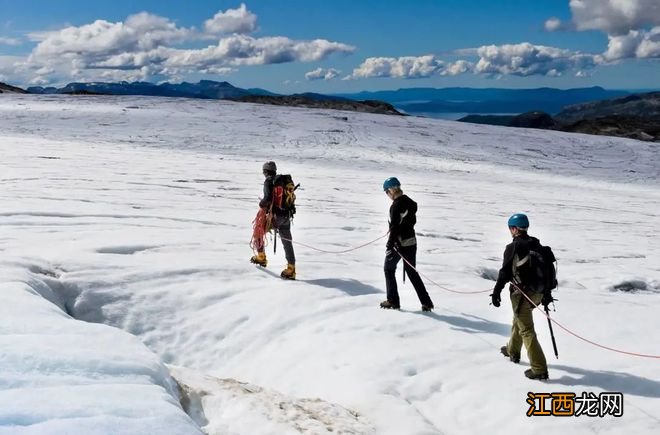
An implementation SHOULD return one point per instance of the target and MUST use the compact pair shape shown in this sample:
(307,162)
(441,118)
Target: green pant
(522,331)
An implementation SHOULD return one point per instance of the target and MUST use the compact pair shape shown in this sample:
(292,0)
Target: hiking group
(527,265)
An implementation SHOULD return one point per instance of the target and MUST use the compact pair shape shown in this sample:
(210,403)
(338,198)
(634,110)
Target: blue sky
(335,46)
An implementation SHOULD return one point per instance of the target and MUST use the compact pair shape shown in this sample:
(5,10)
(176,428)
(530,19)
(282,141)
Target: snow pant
(522,331)
(391,260)
(285,236)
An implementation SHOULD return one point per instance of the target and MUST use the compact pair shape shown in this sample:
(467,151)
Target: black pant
(285,236)
(391,260)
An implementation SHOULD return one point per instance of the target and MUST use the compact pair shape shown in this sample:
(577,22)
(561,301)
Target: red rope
(343,251)
(435,283)
(579,336)
(478,291)
(260,226)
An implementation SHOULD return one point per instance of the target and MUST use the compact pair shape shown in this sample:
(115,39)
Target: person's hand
(547,299)
(495,299)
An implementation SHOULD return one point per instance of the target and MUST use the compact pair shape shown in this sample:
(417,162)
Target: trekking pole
(552,334)
(275,243)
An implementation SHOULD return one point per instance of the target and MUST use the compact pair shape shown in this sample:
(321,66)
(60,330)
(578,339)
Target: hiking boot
(540,376)
(289,272)
(389,305)
(513,358)
(259,259)
(427,307)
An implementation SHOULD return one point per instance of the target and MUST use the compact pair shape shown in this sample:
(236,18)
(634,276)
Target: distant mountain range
(486,100)
(411,100)
(220,91)
(204,89)
(590,110)
(634,116)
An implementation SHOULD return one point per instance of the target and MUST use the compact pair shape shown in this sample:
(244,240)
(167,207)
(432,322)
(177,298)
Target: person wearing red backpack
(280,218)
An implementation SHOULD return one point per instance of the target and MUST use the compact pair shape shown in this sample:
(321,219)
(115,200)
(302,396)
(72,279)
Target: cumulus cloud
(635,44)
(240,50)
(626,23)
(526,59)
(457,68)
(407,67)
(147,45)
(615,17)
(232,21)
(322,74)
(101,38)
(9,41)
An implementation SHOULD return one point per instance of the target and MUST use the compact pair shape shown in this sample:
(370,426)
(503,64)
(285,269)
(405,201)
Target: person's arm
(396,211)
(268,194)
(506,272)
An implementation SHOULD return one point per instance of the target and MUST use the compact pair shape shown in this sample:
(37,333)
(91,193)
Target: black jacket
(266,201)
(402,222)
(520,245)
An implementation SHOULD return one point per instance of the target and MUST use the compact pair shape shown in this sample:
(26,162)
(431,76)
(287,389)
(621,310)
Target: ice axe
(552,334)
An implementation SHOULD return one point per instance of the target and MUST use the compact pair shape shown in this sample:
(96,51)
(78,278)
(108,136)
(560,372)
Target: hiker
(402,242)
(516,255)
(278,214)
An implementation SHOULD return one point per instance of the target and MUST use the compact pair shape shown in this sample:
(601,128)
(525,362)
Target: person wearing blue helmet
(516,254)
(402,243)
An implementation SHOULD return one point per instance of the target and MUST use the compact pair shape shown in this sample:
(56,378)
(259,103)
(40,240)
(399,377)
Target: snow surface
(135,212)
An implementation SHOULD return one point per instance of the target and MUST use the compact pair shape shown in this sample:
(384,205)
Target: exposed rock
(525,120)
(622,126)
(367,106)
(8,89)
(533,120)
(643,106)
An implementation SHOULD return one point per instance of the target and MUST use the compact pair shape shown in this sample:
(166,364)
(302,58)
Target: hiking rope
(260,226)
(642,355)
(343,251)
(593,343)
(435,283)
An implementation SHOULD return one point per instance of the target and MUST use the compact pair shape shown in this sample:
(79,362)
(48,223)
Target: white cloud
(39,81)
(636,44)
(526,59)
(408,67)
(44,71)
(522,59)
(219,71)
(232,21)
(615,17)
(11,69)
(457,68)
(553,24)
(9,41)
(626,23)
(101,38)
(145,45)
(239,50)
(322,74)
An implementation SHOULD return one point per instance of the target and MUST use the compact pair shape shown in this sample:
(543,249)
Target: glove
(392,245)
(495,299)
(547,299)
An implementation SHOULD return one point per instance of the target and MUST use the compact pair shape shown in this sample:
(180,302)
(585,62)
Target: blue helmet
(391,182)
(519,220)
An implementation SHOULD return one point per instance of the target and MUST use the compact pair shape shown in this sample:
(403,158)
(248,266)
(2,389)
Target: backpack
(536,271)
(284,196)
